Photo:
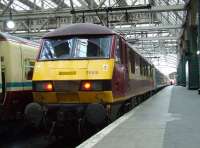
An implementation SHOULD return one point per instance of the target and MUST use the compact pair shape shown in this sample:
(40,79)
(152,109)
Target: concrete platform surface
(169,119)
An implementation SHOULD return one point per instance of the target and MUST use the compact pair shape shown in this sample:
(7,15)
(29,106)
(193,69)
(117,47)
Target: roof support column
(198,39)
(192,59)
(181,72)
(189,46)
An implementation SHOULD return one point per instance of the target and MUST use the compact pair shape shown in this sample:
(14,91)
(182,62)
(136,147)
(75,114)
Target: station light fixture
(10,24)
(198,52)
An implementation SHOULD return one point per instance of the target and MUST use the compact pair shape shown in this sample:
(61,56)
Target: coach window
(151,71)
(141,66)
(118,50)
(146,69)
(29,65)
(132,60)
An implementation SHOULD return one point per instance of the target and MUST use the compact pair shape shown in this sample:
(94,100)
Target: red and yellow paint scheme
(74,71)
(89,69)
(16,68)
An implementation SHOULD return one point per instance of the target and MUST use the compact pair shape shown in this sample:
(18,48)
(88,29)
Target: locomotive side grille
(66,86)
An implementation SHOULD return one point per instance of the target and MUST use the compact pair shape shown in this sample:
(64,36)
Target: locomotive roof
(8,37)
(80,29)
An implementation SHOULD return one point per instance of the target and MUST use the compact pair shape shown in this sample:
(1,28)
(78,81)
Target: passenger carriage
(17,58)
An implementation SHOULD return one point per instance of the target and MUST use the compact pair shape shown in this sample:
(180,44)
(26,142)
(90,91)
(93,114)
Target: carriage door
(125,64)
(119,71)
(2,80)
(28,73)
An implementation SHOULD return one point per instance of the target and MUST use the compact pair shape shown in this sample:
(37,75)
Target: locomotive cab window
(29,65)
(76,47)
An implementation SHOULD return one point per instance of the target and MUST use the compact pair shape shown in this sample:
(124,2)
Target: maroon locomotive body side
(123,84)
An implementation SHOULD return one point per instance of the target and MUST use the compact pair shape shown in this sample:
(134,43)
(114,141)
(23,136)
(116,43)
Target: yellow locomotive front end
(72,79)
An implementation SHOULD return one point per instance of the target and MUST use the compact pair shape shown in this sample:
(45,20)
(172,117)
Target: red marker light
(48,86)
(86,86)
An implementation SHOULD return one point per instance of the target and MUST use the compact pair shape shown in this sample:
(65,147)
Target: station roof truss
(153,27)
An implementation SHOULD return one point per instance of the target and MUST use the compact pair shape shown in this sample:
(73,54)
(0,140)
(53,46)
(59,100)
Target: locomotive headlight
(91,85)
(87,85)
(43,86)
(48,86)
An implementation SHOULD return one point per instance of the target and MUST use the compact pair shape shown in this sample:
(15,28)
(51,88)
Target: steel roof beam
(101,3)
(122,3)
(155,46)
(2,6)
(35,35)
(83,3)
(67,12)
(71,4)
(178,16)
(155,38)
(60,3)
(114,9)
(160,27)
(91,4)
(7,7)
(133,3)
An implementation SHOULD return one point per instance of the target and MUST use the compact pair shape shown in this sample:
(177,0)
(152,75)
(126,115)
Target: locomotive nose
(34,113)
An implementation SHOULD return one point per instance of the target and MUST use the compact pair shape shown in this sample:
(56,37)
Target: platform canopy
(153,27)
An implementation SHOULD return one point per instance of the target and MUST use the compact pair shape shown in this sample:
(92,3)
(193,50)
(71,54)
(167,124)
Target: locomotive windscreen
(76,47)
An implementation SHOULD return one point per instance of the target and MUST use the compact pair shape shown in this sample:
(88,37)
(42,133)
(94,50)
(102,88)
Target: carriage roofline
(80,29)
(8,37)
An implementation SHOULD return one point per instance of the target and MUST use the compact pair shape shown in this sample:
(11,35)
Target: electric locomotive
(87,72)
(17,58)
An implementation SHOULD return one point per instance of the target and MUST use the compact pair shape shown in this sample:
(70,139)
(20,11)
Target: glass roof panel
(37,2)
(167,2)
(140,2)
(109,3)
(46,4)
(129,2)
(20,6)
(16,5)
(67,2)
(97,1)
(49,4)
(76,3)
